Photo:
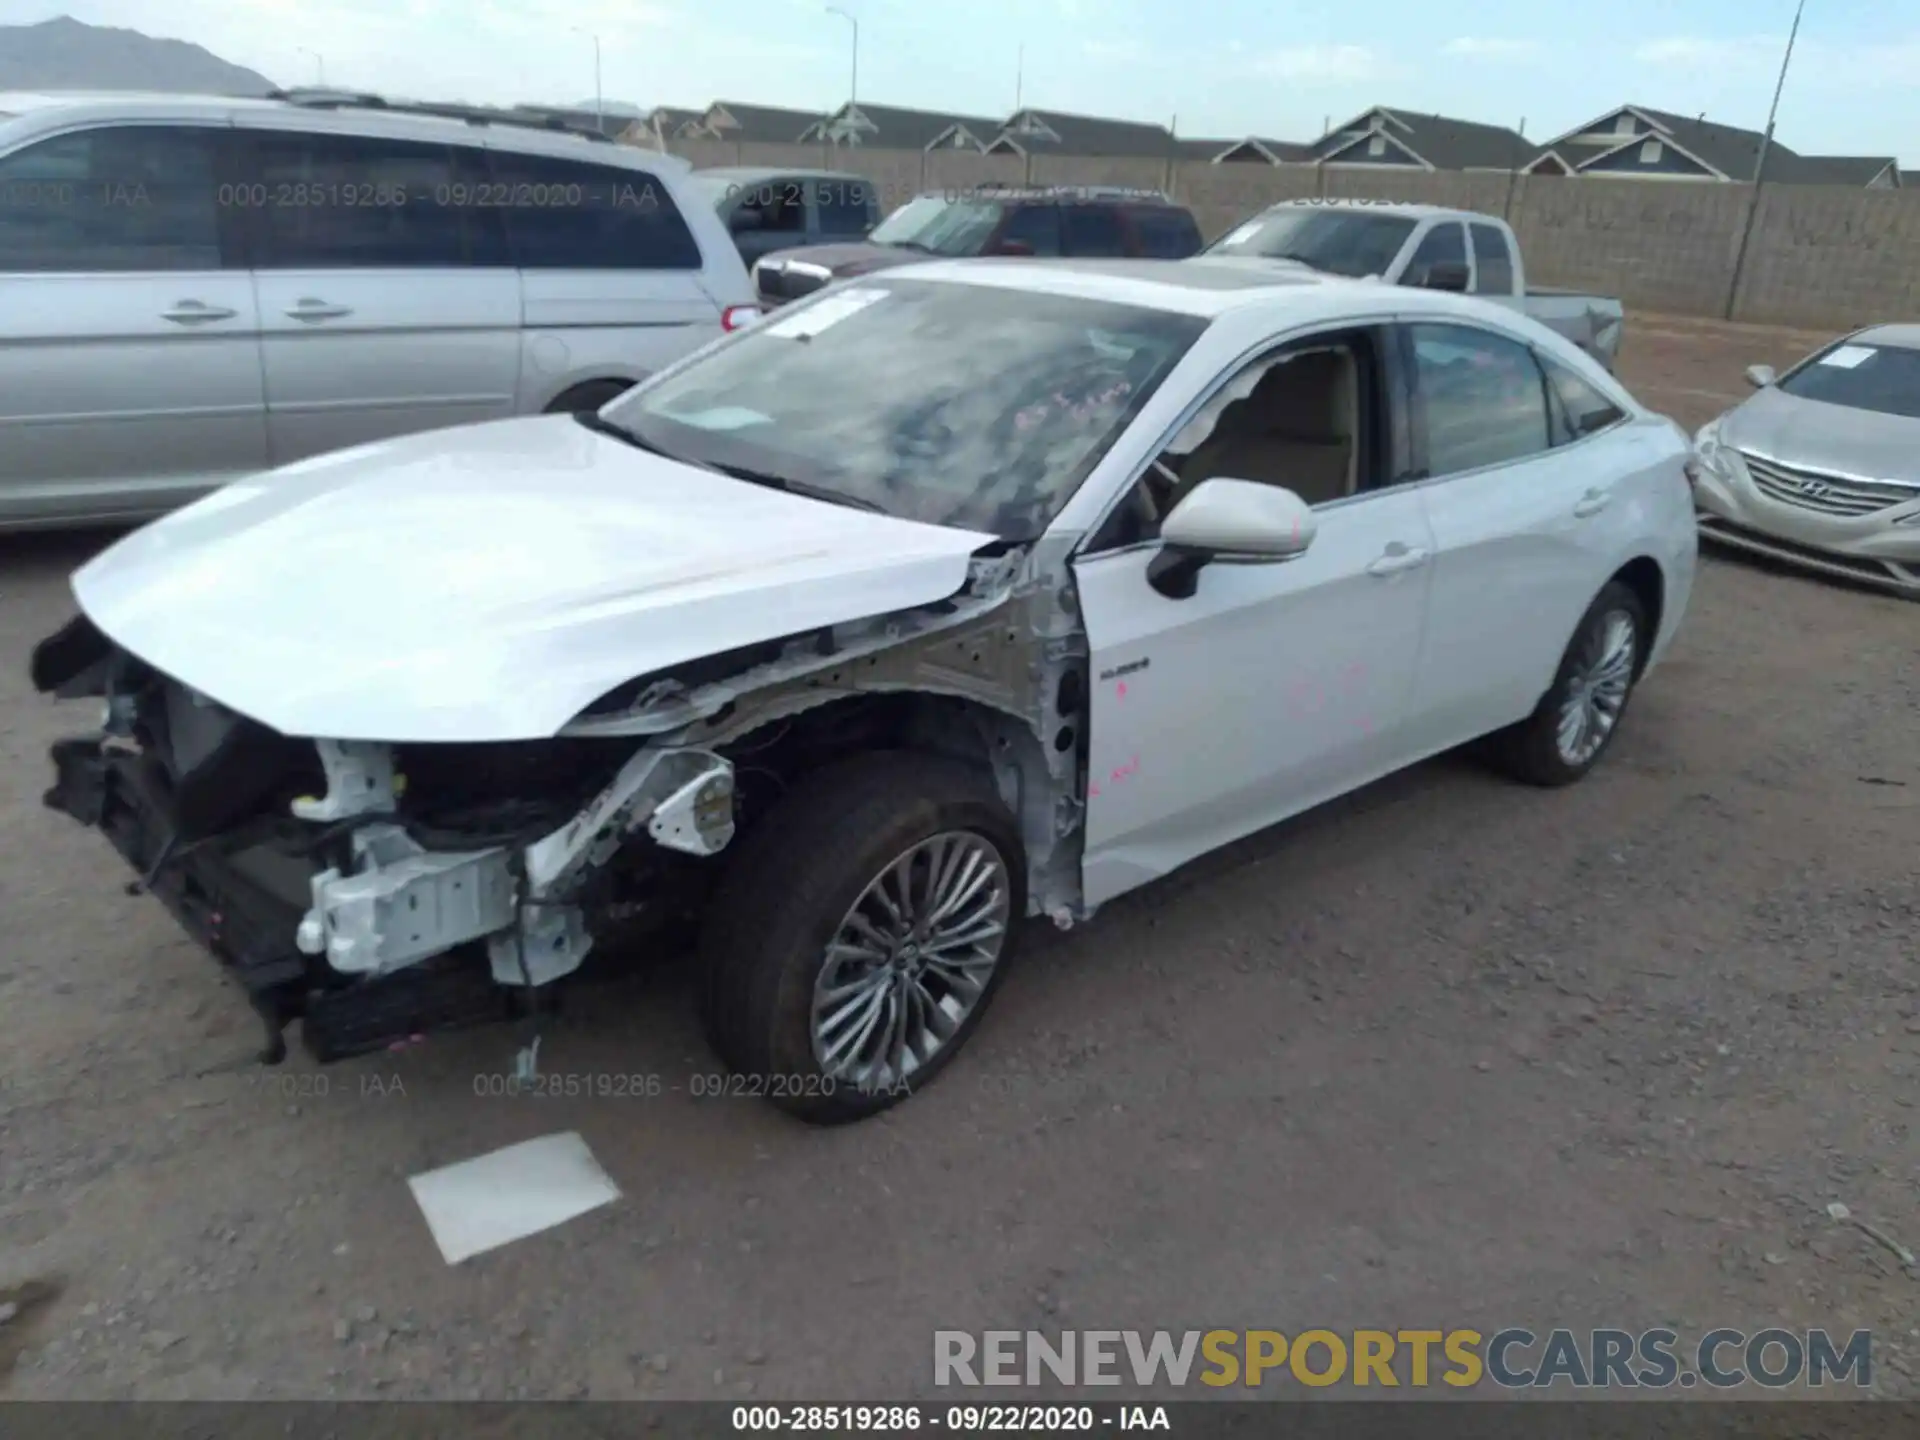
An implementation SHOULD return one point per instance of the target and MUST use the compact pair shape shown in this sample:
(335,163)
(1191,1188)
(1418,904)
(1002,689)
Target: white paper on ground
(491,1200)
(828,311)
(1848,356)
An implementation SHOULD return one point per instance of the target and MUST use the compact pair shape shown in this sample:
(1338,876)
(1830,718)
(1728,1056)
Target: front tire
(860,933)
(1576,720)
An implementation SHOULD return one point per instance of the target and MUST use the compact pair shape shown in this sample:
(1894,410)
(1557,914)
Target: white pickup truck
(1426,246)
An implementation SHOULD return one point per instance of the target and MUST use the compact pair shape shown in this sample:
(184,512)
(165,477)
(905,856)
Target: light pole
(599,107)
(853,86)
(1760,167)
(319,65)
(1766,137)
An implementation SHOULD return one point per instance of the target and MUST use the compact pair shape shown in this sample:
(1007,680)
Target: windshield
(1885,378)
(938,225)
(1340,242)
(953,404)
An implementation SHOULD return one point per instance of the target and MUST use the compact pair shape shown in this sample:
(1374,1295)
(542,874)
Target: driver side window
(1304,417)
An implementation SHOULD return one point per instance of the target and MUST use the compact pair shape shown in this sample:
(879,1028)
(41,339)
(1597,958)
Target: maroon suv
(1079,221)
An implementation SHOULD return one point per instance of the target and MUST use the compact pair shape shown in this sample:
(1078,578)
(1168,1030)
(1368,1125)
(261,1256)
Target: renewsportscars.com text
(1510,1359)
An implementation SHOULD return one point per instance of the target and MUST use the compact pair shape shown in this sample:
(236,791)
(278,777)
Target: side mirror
(1017,248)
(1760,376)
(1445,275)
(1239,522)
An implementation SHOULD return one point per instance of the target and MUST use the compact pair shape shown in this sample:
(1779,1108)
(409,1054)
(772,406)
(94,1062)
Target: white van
(198,288)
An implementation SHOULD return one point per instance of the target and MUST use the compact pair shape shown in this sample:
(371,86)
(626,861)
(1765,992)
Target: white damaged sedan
(964,594)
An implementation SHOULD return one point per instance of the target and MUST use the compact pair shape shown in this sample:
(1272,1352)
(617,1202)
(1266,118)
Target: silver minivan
(194,289)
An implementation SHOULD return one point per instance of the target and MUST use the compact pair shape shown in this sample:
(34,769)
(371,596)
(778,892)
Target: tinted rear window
(571,215)
(1166,233)
(1882,378)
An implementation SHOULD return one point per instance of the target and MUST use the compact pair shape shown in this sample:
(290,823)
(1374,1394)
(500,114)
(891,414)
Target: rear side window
(124,198)
(1165,233)
(359,202)
(1482,396)
(1035,226)
(1094,230)
(572,215)
(845,206)
(1445,244)
(1493,262)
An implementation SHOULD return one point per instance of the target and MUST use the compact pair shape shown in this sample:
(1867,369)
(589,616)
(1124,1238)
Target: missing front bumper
(251,931)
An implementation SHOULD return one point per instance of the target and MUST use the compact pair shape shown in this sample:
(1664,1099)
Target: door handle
(1593,502)
(196,312)
(310,309)
(1397,558)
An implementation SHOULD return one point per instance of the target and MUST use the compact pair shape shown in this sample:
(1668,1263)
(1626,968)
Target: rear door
(610,273)
(1444,244)
(845,208)
(1492,263)
(387,305)
(1163,232)
(1524,523)
(769,215)
(1093,231)
(129,345)
(1036,227)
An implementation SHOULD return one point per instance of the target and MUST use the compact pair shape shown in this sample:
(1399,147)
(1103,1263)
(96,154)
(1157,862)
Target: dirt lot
(1449,1053)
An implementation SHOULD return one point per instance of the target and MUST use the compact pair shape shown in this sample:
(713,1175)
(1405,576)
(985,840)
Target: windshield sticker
(1848,356)
(828,310)
(720,417)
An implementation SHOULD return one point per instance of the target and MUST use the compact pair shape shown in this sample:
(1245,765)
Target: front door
(129,341)
(1272,688)
(1277,685)
(388,303)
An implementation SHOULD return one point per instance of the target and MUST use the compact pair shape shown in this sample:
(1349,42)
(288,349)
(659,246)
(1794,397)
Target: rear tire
(586,398)
(1578,717)
(813,996)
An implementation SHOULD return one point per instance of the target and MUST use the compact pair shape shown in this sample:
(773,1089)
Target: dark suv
(1049,221)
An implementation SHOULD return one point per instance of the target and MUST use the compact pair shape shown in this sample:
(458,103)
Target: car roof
(1408,210)
(750,173)
(1899,336)
(395,122)
(1201,286)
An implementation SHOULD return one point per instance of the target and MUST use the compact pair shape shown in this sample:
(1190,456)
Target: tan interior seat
(1296,428)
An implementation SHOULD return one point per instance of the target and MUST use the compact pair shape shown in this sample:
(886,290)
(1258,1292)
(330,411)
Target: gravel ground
(1448,1053)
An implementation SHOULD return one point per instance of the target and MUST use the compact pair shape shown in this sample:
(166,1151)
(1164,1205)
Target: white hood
(490,582)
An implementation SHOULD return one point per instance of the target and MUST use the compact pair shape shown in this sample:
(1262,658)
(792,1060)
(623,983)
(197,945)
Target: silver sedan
(1821,468)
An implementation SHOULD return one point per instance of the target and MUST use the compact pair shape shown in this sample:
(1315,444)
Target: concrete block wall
(1818,256)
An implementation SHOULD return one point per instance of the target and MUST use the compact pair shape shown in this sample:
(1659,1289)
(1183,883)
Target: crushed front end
(374,892)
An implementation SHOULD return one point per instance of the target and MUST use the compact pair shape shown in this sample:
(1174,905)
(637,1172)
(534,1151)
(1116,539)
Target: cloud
(1332,64)
(1497,51)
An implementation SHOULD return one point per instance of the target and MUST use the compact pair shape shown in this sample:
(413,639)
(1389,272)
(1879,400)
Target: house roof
(671,119)
(1442,141)
(1860,170)
(766,123)
(1733,150)
(897,127)
(1543,159)
(1081,135)
(1252,147)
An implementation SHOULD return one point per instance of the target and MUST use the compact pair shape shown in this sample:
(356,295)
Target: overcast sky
(1223,67)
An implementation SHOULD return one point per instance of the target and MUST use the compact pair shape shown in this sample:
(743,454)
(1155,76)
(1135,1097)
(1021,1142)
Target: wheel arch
(577,387)
(1644,577)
